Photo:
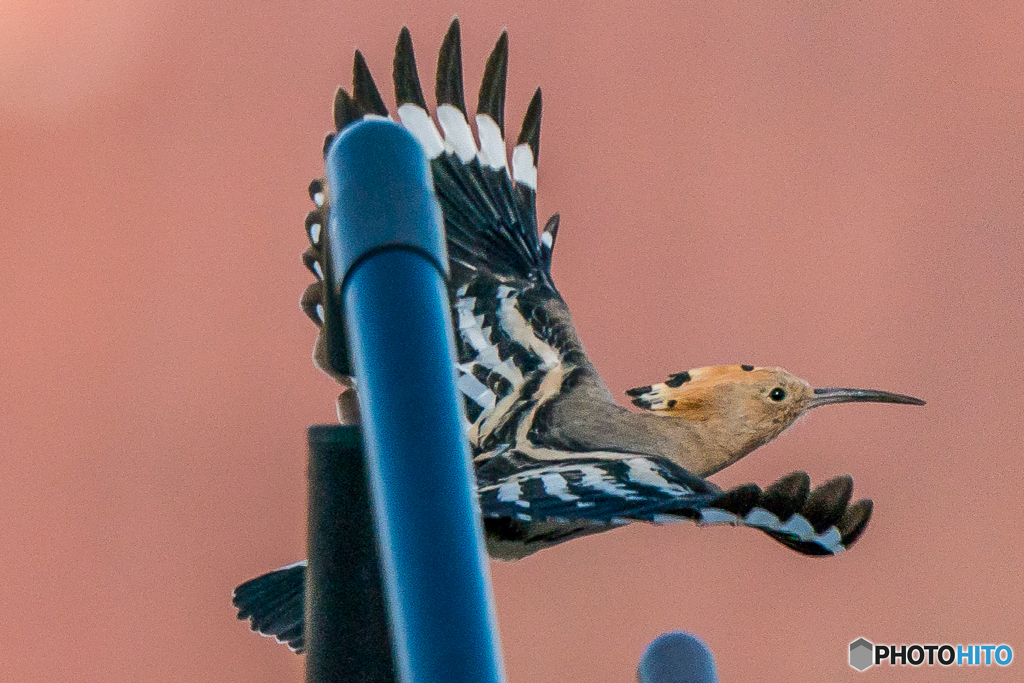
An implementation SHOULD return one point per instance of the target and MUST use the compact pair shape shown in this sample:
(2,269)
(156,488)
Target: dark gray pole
(346,618)
(388,268)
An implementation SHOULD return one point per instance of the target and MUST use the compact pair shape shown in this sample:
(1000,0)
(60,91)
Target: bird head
(741,407)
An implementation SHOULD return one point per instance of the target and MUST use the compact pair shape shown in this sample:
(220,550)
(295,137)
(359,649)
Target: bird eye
(777,394)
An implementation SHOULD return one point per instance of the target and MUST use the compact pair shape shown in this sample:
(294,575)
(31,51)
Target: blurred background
(835,188)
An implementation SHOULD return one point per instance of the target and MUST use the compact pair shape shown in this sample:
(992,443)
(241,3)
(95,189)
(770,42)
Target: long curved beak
(827,395)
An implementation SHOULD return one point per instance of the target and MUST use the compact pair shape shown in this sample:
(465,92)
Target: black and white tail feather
(545,474)
(275,605)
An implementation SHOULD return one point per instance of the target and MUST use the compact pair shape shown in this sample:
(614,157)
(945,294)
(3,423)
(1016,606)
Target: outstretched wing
(516,342)
(544,506)
(536,507)
(541,507)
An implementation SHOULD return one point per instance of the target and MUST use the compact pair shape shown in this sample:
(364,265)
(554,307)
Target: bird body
(556,458)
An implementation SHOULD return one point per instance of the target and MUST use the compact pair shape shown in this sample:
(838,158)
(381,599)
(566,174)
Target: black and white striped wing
(533,508)
(515,338)
(602,490)
(596,494)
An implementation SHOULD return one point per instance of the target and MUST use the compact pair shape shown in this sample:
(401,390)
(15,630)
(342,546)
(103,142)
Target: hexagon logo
(861,654)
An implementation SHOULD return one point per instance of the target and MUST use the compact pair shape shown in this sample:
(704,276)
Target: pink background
(834,190)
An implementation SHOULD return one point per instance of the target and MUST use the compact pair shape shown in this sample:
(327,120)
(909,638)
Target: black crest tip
(677,380)
(638,391)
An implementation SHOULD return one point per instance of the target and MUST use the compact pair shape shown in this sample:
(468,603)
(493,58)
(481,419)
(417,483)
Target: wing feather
(364,90)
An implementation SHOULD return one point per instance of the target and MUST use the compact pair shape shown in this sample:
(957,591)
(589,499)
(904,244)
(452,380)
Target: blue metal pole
(388,267)
(677,657)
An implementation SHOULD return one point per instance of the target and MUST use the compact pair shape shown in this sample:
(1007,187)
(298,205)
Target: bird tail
(274,604)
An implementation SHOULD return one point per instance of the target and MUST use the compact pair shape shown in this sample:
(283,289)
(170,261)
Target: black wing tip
(311,259)
(788,495)
(449,69)
(549,237)
(346,110)
(316,191)
(739,500)
(454,30)
(492,88)
(828,506)
(364,90)
(328,139)
(312,302)
(827,503)
(855,521)
(530,132)
(406,77)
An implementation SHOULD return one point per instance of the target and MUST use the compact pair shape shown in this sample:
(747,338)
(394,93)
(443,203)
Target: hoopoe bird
(555,457)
